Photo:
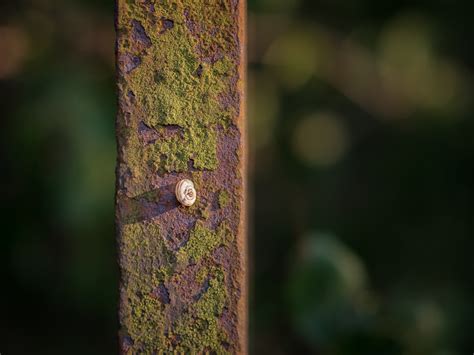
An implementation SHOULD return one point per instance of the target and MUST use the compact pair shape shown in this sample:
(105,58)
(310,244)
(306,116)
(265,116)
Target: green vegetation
(223,198)
(147,264)
(174,87)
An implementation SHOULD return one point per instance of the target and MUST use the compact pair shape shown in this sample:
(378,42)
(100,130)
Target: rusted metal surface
(181,116)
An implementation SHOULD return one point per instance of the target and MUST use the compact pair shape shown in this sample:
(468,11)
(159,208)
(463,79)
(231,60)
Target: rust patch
(161,293)
(166,24)
(139,36)
(128,62)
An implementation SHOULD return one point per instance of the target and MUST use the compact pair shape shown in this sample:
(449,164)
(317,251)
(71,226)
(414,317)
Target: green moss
(168,90)
(205,213)
(197,143)
(146,323)
(223,198)
(150,196)
(142,250)
(148,263)
(199,327)
(201,242)
(202,274)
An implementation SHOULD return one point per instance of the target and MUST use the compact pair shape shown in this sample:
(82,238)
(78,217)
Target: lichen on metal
(180,83)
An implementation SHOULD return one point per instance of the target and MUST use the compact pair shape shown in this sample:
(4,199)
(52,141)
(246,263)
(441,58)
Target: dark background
(362,177)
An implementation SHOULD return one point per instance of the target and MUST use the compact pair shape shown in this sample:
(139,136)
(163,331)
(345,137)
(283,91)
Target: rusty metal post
(181,71)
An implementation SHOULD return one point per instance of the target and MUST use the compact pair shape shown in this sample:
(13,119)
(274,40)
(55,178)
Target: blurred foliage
(361,127)
(58,159)
(361,130)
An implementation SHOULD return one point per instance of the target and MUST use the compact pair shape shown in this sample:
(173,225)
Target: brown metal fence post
(181,71)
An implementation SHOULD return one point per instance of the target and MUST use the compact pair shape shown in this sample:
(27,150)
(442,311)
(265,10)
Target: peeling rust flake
(180,85)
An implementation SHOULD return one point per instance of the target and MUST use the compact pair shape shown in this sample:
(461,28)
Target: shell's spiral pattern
(185,192)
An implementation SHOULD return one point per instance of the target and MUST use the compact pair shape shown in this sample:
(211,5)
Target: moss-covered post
(181,116)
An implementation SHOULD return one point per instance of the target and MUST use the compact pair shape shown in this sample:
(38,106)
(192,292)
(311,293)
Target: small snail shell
(185,192)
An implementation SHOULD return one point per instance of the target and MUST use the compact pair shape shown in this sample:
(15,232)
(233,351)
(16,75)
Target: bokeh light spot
(410,65)
(294,57)
(320,139)
(14,47)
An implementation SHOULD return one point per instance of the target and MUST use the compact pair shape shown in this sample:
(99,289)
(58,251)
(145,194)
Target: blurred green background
(362,177)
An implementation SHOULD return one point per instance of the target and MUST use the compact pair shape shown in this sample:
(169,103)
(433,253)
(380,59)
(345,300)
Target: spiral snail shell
(185,192)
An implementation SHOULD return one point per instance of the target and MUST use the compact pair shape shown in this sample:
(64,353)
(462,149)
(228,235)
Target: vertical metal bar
(181,76)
